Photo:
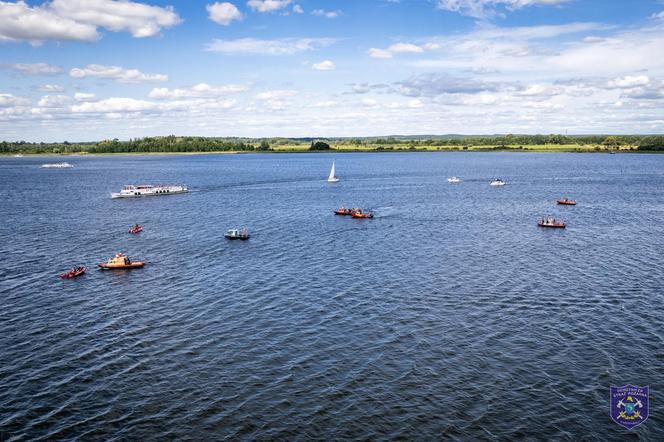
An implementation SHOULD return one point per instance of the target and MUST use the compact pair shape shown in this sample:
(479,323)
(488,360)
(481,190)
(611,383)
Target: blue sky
(92,69)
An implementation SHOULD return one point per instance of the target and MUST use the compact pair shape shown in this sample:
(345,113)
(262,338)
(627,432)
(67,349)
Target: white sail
(333,177)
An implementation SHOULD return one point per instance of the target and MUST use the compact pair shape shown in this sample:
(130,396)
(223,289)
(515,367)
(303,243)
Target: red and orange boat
(567,202)
(73,273)
(343,211)
(358,213)
(120,261)
(552,223)
(136,229)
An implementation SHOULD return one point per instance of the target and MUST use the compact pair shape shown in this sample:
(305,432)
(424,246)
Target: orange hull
(133,265)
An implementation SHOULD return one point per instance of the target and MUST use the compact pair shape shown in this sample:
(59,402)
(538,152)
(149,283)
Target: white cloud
(9,100)
(379,53)
(370,103)
(397,48)
(484,8)
(123,105)
(20,22)
(116,73)
(326,14)
(223,13)
(84,96)
(298,9)
(200,90)
(139,19)
(275,99)
(405,48)
(78,20)
(268,5)
(629,82)
(35,68)
(54,101)
(50,88)
(284,46)
(326,65)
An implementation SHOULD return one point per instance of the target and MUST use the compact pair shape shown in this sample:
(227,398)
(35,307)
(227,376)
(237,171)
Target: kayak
(73,273)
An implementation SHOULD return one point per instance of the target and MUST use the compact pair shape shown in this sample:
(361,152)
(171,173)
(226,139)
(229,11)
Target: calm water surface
(448,316)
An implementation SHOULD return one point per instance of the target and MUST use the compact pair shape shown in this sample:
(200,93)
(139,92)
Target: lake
(450,315)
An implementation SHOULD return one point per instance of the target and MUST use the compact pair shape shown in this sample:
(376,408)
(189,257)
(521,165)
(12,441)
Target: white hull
(497,184)
(141,191)
(333,180)
(453,180)
(56,166)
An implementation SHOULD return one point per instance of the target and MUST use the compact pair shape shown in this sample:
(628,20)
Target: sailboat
(333,178)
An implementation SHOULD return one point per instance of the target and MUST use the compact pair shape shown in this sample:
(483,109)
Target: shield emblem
(629,405)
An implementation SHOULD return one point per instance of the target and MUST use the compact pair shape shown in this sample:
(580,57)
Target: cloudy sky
(82,70)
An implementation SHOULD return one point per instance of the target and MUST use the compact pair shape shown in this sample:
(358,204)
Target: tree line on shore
(177,144)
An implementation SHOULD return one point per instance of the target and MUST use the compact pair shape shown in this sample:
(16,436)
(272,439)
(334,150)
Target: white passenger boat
(148,190)
(56,166)
(497,183)
(453,180)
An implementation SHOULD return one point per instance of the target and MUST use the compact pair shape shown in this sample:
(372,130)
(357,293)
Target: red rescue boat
(73,273)
(361,215)
(567,202)
(136,229)
(343,211)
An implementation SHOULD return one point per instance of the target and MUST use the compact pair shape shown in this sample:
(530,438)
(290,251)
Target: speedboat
(136,229)
(64,165)
(360,214)
(131,191)
(497,182)
(453,180)
(73,273)
(237,234)
(567,202)
(120,261)
(551,223)
(343,211)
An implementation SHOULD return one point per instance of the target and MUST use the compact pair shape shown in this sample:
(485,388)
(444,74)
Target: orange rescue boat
(120,261)
(358,213)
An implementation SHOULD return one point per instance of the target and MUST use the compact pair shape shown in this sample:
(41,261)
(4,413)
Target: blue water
(451,315)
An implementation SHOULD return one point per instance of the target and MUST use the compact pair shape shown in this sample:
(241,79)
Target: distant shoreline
(331,151)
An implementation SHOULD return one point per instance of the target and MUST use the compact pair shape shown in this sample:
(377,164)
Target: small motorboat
(120,261)
(73,273)
(237,234)
(360,214)
(497,182)
(136,229)
(567,202)
(343,211)
(453,180)
(551,223)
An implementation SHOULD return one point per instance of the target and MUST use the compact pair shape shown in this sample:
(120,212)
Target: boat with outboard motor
(566,202)
(73,273)
(344,211)
(64,165)
(120,261)
(131,191)
(551,222)
(360,214)
(136,229)
(237,234)
(497,182)
(453,180)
